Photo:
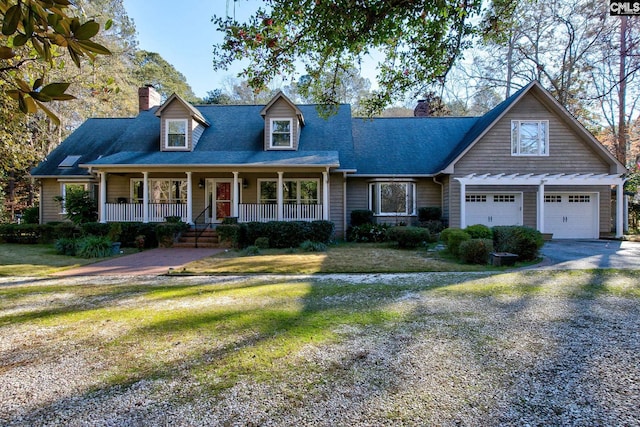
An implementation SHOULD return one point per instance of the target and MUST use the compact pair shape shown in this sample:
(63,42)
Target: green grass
(341,258)
(220,333)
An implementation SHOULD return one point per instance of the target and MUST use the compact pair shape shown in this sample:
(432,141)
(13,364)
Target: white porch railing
(133,212)
(253,212)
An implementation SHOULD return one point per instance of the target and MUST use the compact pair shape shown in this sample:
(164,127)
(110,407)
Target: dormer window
(176,133)
(281,135)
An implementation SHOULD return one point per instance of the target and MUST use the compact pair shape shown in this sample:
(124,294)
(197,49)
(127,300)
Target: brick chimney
(422,109)
(148,98)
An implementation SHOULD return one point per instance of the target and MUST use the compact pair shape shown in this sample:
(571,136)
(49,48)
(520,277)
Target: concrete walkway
(150,262)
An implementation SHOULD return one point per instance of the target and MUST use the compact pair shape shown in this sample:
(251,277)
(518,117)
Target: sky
(183,34)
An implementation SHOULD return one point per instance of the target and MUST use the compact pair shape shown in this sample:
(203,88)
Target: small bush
(229,234)
(430,213)
(454,239)
(479,231)
(285,234)
(475,251)
(94,247)
(31,215)
(522,241)
(409,237)
(168,232)
(66,246)
(262,243)
(444,235)
(309,246)
(360,217)
(367,233)
(322,231)
(95,229)
(251,251)
(434,226)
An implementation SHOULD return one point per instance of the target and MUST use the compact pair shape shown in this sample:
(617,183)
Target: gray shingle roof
(381,146)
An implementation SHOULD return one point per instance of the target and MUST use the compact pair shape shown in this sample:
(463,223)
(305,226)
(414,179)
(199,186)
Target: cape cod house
(526,162)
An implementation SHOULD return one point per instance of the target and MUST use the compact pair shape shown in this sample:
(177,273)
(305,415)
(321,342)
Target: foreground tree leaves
(418,42)
(39,31)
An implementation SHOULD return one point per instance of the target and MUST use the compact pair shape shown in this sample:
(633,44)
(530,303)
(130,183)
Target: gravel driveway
(454,360)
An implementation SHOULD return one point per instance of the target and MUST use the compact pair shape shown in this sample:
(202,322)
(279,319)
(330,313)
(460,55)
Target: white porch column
(626,214)
(619,209)
(325,195)
(189,199)
(103,197)
(463,203)
(541,207)
(145,197)
(280,196)
(235,195)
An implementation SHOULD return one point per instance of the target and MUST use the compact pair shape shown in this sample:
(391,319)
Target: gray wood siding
(50,208)
(568,153)
(281,110)
(176,111)
(357,195)
(336,204)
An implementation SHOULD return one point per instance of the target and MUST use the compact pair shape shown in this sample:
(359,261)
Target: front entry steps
(208,239)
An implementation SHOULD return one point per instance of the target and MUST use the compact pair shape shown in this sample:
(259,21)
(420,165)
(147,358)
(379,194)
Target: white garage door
(571,215)
(493,209)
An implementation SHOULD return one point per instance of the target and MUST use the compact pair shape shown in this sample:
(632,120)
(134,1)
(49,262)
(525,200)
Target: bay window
(392,198)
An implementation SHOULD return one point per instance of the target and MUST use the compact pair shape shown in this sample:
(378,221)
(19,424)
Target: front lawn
(35,260)
(340,258)
(413,349)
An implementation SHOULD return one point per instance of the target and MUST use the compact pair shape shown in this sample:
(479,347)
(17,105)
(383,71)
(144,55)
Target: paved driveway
(586,254)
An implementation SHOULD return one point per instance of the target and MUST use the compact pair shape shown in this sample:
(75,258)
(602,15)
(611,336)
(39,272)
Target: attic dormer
(181,125)
(283,122)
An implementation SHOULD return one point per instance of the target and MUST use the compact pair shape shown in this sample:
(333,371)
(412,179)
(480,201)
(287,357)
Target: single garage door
(571,215)
(493,209)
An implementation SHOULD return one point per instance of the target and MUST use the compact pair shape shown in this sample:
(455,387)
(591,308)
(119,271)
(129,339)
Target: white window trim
(63,194)
(377,187)
(186,135)
(282,119)
(297,180)
(518,144)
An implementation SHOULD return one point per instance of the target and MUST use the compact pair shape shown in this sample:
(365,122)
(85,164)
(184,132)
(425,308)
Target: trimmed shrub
(66,246)
(229,234)
(168,232)
(94,229)
(262,243)
(367,233)
(251,251)
(429,213)
(434,226)
(94,247)
(285,234)
(475,251)
(479,231)
(310,246)
(409,237)
(321,231)
(444,235)
(454,239)
(520,240)
(360,217)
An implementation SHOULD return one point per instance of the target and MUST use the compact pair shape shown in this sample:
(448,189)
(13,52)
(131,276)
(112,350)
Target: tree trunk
(621,146)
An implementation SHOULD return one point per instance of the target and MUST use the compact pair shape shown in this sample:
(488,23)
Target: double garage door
(566,215)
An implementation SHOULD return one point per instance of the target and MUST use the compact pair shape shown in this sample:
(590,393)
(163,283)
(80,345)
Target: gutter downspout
(344,205)
(435,180)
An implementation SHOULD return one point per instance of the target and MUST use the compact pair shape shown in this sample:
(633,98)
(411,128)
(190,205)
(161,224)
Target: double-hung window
(529,137)
(281,133)
(160,191)
(294,192)
(176,133)
(392,198)
(65,190)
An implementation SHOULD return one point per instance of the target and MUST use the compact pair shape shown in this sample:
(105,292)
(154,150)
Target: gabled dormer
(181,125)
(283,122)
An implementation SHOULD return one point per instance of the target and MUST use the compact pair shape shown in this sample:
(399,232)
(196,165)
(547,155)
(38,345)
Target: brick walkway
(149,262)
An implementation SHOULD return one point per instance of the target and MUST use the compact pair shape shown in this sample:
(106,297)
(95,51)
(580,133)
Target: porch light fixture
(201,183)
(245,184)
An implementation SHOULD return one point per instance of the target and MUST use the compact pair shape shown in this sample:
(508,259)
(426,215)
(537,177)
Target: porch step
(208,239)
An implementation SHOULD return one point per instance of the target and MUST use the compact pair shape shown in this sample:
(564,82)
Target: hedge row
(279,234)
(127,234)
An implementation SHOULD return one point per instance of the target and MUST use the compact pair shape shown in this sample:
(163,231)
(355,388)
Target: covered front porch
(201,197)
